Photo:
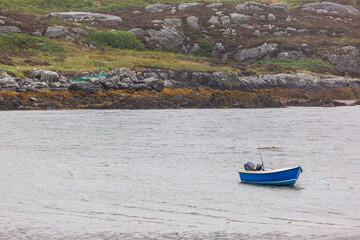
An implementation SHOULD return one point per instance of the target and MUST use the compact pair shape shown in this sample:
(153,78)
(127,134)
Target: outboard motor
(251,167)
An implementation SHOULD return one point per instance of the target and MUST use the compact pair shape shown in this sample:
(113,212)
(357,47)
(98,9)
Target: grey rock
(154,83)
(172,22)
(195,47)
(219,47)
(136,12)
(9,29)
(137,31)
(2,22)
(331,8)
(187,6)
(346,59)
(123,73)
(167,37)
(225,21)
(247,26)
(37,34)
(55,32)
(279,7)
(291,29)
(80,31)
(168,84)
(250,6)
(271,17)
(46,76)
(237,18)
(38,85)
(288,19)
(256,53)
(157,8)
(7,82)
(214,20)
(304,31)
(55,85)
(85,16)
(214,5)
(280,34)
(157,21)
(69,38)
(295,55)
(140,87)
(192,21)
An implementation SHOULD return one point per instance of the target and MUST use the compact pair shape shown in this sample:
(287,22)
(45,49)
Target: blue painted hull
(281,177)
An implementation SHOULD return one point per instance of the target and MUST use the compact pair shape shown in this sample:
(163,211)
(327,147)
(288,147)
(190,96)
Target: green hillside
(30,48)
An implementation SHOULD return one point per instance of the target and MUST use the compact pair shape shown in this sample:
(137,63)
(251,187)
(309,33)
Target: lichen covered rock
(166,37)
(331,8)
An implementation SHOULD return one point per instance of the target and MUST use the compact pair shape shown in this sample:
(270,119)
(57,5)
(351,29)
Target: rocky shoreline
(160,79)
(159,88)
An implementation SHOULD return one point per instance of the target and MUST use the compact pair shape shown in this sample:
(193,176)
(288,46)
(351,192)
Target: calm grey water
(173,174)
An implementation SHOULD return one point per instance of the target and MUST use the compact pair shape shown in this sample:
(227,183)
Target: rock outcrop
(9,29)
(158,79)
(55,32)
(46,76)
(346,59)
(85,16)
(259,7)
(157,8)
(257,53)
(187,6)
(166,37)
(237,18)
(192,21)
(331,8)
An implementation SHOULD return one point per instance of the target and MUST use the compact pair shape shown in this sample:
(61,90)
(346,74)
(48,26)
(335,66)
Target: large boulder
(172,22)
(214,20)
(331,8)
(121,74)
(346,59)
(85,16)
(192,21)
(137,31)
(279,7)
(294,55)
(80,31)
(214,5)
(166,37)
(9,29)
(187,6)
(256,53)
(254,6)
(55,32)
(157,8)
(46,76)
(237,18)
(7,82)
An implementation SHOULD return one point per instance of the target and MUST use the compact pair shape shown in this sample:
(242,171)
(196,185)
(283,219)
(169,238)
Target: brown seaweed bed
(174,99)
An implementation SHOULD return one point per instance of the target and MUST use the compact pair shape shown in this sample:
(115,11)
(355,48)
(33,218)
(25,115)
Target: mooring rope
(323,181)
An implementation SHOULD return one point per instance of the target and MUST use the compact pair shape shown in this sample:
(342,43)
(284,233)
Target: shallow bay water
(139,174)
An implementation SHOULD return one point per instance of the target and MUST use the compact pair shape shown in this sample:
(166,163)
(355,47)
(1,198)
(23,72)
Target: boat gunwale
(267,171)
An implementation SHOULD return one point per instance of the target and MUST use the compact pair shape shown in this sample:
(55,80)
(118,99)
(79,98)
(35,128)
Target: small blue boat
(278,177)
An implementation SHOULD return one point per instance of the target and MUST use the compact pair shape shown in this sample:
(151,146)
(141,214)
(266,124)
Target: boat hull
(280,177)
